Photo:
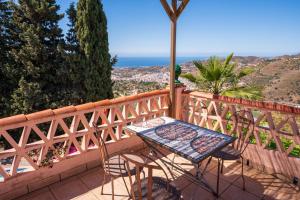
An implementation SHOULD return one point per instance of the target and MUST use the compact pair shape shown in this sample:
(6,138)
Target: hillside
(279,78)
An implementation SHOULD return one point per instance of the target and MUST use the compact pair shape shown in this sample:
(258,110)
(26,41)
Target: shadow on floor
(87,185)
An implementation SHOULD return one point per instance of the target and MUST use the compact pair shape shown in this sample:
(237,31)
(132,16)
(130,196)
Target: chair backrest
(136,189)
(242,127)
(104,156)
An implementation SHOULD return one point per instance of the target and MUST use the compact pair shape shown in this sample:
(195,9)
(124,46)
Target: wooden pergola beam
(173,11)
(168,10)
(181,7)
(174,6)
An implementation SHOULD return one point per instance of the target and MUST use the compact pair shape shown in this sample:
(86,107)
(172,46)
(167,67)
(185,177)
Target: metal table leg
(197,178)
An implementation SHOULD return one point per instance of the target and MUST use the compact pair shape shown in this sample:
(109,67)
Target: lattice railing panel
(29,140)
(275,129)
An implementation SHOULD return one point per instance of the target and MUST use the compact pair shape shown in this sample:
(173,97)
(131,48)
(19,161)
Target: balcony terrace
(28,172)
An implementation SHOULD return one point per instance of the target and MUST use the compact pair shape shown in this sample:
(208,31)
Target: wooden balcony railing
(275,145)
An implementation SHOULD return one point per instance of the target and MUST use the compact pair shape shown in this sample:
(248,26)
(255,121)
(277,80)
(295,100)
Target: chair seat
(159,190)
(115,165)
(228,153)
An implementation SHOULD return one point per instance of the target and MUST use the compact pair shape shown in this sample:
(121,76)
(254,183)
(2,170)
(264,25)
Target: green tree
(221,78)
(72,42)
(75,60)
(92,34)
(5,21)
(40,55)
(7,83)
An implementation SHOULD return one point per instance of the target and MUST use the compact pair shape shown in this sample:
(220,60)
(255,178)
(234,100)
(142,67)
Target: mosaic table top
(187,140)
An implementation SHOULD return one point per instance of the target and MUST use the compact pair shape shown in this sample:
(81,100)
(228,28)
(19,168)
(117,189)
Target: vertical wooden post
(172,67)
(173,12)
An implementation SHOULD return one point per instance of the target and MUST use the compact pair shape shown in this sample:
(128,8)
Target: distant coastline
(140,62)
(279,77)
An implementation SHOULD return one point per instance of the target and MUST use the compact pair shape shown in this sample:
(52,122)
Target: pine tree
(72,42)
(7,84)
(74,59)
(92,34)
(5,18)
(42,82)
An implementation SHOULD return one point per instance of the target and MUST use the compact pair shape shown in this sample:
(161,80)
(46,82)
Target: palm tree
(220,77)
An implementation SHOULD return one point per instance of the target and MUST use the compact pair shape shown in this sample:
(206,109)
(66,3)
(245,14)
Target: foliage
(220,78)
(5,21)
(74,59)
(43,75)
(272,145)
(39,68)
(92,34)
(190,77)
(264,135)
(52,155)
(51,72)
(245,71)
(7,83)
(253,93)
(72,43)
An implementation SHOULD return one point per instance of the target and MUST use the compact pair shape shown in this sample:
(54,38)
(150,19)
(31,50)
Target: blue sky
(207,27)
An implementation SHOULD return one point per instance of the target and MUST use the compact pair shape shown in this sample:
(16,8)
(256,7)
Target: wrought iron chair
(114,165)
(242,127)
(152,187)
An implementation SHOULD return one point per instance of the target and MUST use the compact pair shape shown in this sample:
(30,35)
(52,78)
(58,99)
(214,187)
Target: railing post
(178,100)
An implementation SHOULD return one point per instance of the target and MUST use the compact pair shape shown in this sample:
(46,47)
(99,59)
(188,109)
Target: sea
(133,62)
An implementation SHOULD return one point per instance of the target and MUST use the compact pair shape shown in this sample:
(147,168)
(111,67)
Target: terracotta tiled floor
(87,185)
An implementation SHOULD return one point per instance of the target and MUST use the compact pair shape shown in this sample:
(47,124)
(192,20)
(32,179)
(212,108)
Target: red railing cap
(13,120)
(40,114)
(64,110)
(251,103)
(86,106)
(68,109)
(105,102)
(153,93)
(124,99)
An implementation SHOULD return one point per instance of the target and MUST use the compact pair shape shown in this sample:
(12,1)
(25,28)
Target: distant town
(279,77)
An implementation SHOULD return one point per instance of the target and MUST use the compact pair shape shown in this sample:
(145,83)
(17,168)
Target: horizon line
(203,55)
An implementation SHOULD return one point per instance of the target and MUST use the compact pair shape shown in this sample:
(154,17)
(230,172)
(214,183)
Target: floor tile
(87,185)
(213,164)
(281,190)
(181,182)
(68,189)
(41,194)
(256,183)
(93,178)
(212,181)
(194,192)
(87,196)
(232,171)
(119,190)
(236,193)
